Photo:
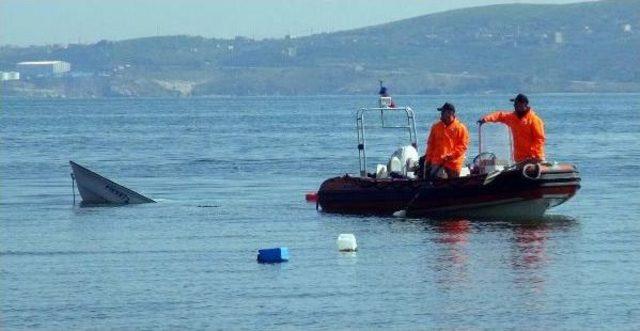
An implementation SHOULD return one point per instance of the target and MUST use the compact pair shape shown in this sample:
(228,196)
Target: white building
(9,75)
(43,68)
(558,38)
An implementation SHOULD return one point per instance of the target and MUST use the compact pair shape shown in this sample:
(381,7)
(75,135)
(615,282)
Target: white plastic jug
(394,165)
(381,171)
(347,242)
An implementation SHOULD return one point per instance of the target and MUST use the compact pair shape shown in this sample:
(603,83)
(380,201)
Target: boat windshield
(496,138)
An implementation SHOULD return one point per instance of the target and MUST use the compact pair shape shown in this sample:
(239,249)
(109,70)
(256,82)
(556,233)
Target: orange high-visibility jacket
(528,133)
(447,145)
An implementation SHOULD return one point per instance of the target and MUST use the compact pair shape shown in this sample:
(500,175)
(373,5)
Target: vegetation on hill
(591,46)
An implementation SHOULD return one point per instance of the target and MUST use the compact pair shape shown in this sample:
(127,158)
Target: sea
(230,175)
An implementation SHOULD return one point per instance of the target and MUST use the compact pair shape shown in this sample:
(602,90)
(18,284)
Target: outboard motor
(403,161)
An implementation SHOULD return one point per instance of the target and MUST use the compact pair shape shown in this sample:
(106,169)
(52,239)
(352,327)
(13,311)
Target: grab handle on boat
(479,138)
(527,167)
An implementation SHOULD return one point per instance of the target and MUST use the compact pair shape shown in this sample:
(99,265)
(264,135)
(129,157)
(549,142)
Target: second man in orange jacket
(526,127)
(447,144)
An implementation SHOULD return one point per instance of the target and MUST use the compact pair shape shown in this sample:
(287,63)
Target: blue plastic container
(273,255)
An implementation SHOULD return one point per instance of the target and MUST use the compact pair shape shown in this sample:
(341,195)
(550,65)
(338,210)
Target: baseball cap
(447,106)
(520,97)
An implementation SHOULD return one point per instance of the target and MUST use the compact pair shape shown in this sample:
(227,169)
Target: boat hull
(508,194)
(98,190)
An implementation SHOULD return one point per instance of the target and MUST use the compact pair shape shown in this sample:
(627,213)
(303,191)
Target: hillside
(590,46)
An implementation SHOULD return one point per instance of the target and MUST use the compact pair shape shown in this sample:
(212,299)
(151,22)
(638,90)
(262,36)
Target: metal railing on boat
(410,127)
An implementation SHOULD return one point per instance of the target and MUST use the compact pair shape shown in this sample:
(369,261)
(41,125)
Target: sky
(40,22)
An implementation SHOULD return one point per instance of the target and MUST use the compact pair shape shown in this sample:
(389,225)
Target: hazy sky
(36,22)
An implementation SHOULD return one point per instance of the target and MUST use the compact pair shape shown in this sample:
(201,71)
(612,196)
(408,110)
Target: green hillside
(590,46)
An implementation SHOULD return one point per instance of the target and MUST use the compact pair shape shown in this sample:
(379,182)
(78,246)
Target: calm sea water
(230,176)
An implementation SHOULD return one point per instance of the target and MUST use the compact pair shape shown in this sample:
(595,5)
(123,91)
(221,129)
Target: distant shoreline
(588,47)
(372,96)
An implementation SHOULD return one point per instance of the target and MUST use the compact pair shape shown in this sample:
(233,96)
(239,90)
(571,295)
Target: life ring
(526,169)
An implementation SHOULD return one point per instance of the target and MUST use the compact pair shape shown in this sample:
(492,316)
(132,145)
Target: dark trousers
(452,173)
(425,173)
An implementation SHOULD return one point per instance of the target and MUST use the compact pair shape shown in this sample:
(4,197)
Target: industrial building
(9,75)
(43,68)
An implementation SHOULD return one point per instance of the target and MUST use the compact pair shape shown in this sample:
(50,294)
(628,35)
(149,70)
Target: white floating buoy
(400,213)
(347,242)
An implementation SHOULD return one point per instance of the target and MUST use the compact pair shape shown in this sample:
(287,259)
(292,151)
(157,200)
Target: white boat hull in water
(98,190)
(506,209)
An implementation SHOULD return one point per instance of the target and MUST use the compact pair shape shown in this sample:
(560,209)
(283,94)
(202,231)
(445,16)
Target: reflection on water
(453,236)
(523,244)
(529,246)
(528,253)
(531,250)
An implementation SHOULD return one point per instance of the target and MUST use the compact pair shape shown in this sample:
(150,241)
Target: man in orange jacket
(447,144)
(526,127)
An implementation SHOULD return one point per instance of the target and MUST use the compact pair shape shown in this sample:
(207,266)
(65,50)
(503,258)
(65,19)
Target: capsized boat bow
(98,190)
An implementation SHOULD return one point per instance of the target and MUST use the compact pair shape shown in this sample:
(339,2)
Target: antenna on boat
(73,187)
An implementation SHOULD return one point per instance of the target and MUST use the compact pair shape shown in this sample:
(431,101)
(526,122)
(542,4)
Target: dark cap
(447,106)
(383,90)
(520,98)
